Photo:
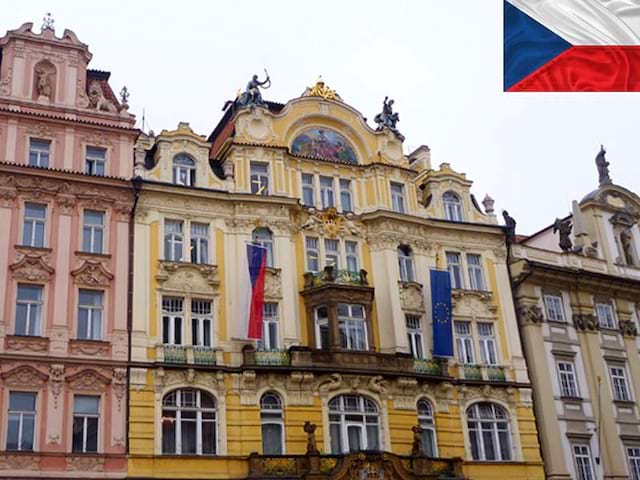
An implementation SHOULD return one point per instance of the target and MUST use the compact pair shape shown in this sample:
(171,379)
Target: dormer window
(184,170)
(452,207)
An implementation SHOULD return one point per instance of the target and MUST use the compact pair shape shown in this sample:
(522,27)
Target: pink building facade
(66,146)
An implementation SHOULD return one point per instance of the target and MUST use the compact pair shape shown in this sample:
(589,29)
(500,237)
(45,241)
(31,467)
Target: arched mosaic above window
(323,143)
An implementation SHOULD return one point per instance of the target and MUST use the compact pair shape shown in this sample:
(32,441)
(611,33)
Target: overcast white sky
(440,60)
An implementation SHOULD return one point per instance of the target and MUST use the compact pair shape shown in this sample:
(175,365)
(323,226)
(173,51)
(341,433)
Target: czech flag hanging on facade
(571,46)
(441,313)
(253,287)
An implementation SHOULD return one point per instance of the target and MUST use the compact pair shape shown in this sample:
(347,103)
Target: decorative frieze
(88,380)
(19,462)
(19,343)
(32,264)
(85,463)
(92,273)
(92,348)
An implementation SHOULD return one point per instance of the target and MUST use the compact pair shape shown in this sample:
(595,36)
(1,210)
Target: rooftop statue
(388,118)
(603,167)
(564,228)
(252,95)
(510,224)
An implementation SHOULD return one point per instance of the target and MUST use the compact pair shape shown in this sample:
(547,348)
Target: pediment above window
(88,380)
(32,264)
(24,376)
(92,273)
(183,277)
(473,303)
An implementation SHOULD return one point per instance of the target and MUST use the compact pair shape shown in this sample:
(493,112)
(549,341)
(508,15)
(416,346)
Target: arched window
(452,207)
(189,423)
(425,419)
(405,263)
(184,170)
(272,419)
(354,424)
(263,236)
(489,432)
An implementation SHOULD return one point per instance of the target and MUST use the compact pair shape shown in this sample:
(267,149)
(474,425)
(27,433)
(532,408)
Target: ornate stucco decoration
(85,463)
(90,348)
(165,379)
(24,376)
(336,381)
(187,277)
(330,223)
(256,125)
(390,146)
(41,130)
(92,273)
(530,314)
(628,328)
(320,89)
(473,303)
(273,284)
(586,322)
(56,381)
(19,462)
(27,344)
(32,265)
(298,386)
(404,391)
(411,296)
(119,383)
(88,380)
(467,393)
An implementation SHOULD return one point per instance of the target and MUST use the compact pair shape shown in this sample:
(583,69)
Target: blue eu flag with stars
(441,313)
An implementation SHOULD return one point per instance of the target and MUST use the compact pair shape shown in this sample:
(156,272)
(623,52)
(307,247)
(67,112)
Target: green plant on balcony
(427,366)
(272,357)
(472,372)
(175,354)
(496,374)
(204,355)
(331,275)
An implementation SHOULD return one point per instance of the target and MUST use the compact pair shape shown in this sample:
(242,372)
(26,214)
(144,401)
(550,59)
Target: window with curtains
(583,462)
(464,342)
(322,327)
(272,421)
(345,195)
(189,423)
(201,323)
(92,231)
(425,420)
(86,423)
(452,207)
(397,197)
(414,335)
(633,455)
(454,266)
(270,328)
(33,225)
(474,267)
(327,195)
(172,320)
(489,432)
(352,326)
(90,314)
(308,190)
(354,424)
(21,419)
(567,379)
(553,307)
(313,254)
(259,178)
(487,344)
(405,264)
(39,152)
(173,240)
(199,243)
(184,170)
(29,309)
(95,161)
(264,238)
(351,251)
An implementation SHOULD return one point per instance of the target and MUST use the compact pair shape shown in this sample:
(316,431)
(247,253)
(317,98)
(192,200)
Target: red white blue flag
(571,45)
(254,288)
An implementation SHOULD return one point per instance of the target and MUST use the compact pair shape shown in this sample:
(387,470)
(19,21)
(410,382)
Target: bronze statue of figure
(252,95)
(510,224)
(564,228)
(603,167)
(416,446)
(310,430)
(387,118)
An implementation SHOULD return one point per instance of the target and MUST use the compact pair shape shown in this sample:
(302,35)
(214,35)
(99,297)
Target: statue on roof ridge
(47,22)
(251,94)
(388,118)
(321,89)
(603,167)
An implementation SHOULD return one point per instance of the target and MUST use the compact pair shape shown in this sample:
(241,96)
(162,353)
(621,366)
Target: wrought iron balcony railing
(331,275)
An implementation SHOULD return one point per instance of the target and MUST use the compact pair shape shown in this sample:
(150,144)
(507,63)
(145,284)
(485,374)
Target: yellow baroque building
(344,370)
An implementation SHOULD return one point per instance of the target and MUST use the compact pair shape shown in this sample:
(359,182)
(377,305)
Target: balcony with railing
(188,355)
(487,373)
(431,366)
(332,276)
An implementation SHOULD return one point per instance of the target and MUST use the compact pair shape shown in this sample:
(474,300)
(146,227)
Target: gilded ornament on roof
(320,89)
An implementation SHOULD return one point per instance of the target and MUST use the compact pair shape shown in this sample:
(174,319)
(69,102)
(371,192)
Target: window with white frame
(90,314)
(474,267)
(172,320)
(308,190)
(633,455)
(583,462)
(464,342)
(92,231)
(322,327)
(39,152)
(397,197)
(353,260)
(270,336)
(184,170)
(264,238)
(428,426)
(567,379)
(487,344)
(272,421)
(201,323)
(553,307)
(489,432)
(313,254)
(414,335)
(405,264)
(86,423)
(452,207)
(605,314)
(189,423)
(353,327)
(173,240)
(332,253)
(259,178)
(619,383)
(21,420)
(454,266)
(33,225)
(199,243)
(327,195)
(29,309)
(345,195)
(95,161)
(354,424)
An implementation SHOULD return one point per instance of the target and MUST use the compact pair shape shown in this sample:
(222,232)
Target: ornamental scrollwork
(530,314)
(32,265)
(628,328)
(92,273)
(24,376)
(88,380)
(586,322)
(56,381)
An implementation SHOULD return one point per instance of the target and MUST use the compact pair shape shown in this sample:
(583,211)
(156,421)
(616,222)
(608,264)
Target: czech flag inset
(571,46)
(257,260)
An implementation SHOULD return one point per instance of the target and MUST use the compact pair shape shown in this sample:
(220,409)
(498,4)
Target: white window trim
(625,378)
(268,175)
(20,427)
(550,297)
(273,421)
(588,455)
(219,412)
(99,448)
(90,314)
(321,250)
(186,239)
(34,220)
(50,151)
(104,160)
(344,424)
(570,375)
(415,336)
(402,196)
(431,425)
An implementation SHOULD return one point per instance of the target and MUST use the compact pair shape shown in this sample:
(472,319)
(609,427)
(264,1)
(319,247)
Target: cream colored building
(352,226)
(579,312)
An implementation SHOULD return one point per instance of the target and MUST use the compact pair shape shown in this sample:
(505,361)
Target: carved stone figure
(564,227)
(510,223)
(387,118)
(252,95)
(43,82)
(416,446)
(488,204)
(98,100)
(310,430)
(626,242)
(603,167)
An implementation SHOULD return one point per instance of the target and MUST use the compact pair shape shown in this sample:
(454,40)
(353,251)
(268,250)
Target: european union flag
(441,313)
